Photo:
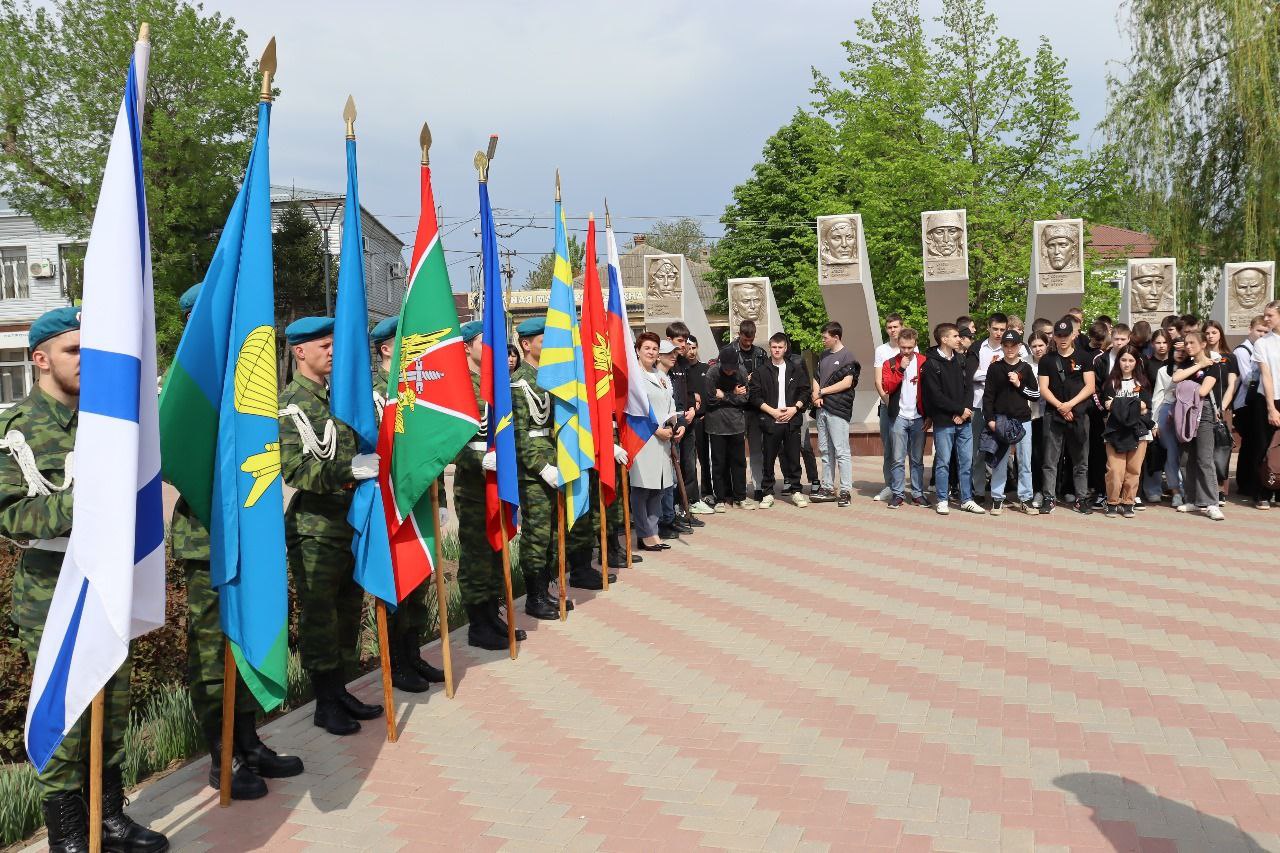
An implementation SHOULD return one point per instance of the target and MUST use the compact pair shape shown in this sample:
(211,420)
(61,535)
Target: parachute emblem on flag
(255,383)
(603,359)
(264,467)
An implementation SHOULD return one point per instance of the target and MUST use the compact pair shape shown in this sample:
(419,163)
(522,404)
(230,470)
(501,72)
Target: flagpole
(228,722)
(442,598)
(564,611)
(384,655)
(604,550)
(626,509)
(506,582)
(96,712)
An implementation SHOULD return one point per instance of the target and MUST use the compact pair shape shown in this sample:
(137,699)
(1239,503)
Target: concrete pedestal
(844,277)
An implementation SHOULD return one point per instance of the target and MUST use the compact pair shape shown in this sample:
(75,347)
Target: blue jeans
(949,439)
(907,437)
(1000,468)
(833,444)
(886,443)
(668,514)
(1172,453)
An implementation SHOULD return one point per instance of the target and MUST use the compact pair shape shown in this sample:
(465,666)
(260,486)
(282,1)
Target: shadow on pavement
(1122,807)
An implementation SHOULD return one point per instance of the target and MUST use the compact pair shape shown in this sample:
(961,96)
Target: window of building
(15,375)
(14,283)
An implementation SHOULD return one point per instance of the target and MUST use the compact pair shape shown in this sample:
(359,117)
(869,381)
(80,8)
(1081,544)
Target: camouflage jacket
(531,410)
(380,378)
(48,429)
(190,537)
(468,473)
(319,507)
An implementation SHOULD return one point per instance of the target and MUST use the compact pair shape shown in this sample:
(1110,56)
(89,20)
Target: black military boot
(583,575)
(121,833)
(500,624)
(246,784)
(262,759)
(68,822)
(353,706)
(617,555)
(404,676)
(537,603)
(481,632)
(413,652)
(330,714)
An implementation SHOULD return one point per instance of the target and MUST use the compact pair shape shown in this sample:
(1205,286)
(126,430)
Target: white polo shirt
(1266,350)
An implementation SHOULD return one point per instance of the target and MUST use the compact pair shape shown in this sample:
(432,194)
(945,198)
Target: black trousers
(1063,439)
(704,458)
(1249,426)
(780,441)
(729,466)
(1264,432)
(1097,453)
(688,455)
(806,453)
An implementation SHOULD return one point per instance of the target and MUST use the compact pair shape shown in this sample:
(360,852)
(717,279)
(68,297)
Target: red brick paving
(826,678)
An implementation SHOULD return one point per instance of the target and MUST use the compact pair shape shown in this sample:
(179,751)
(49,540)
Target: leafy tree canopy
(540,276)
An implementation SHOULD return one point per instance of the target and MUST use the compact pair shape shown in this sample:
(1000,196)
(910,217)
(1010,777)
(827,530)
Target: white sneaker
(748,503)
(942,508)
(1214,513)
(700,508)
(766,502)
(973,507)
(1036,501)
(800,499)
(1182,508)
(884,495)
(721,507)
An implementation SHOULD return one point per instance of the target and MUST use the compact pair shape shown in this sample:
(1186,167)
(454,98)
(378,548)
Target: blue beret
(532,327)
(308,329)
(385,330)
(187,300)
(53,323)
(471,329)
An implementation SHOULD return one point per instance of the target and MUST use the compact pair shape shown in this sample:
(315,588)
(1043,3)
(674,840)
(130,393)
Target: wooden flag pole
(626,510)
(604,539)
(442,597)
(384,653)
(564,607)
(97,711)
(228,723)
(506,582)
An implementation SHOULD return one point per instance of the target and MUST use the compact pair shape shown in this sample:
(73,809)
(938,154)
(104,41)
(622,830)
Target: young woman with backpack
(1194,384)
(1126,398)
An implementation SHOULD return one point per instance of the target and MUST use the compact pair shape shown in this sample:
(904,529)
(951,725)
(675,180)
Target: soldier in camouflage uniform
(253,760)
(479,566)
(318,458)
(407,625)
(36,471)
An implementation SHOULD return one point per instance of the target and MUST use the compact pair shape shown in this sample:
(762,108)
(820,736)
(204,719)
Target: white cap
(666,347)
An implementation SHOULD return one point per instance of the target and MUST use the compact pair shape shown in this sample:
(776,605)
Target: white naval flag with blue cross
(111,587)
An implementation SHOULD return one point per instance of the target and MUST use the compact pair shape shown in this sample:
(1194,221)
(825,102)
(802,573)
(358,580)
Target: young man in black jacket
(948,397)
(700,464)
(779,391)
(687,399)
(1066,384)
(752,357)
(1009,392)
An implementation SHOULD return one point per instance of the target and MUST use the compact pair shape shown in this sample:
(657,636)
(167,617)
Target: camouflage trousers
(68,767)
(330,603)
(479,566)
(205,652)
(585,534)
(411,618)
(538,527)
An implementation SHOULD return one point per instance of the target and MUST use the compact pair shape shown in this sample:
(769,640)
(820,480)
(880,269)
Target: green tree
(298,257)
(540,276)
(964,119)
(1196,116)
(60,88)
(683,236)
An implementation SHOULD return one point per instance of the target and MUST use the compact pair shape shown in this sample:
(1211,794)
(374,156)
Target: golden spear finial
(557,184)
(424,140)
(608,222)
(267,65)
(349,116)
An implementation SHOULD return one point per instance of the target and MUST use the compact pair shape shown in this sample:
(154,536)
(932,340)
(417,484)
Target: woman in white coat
(651,472)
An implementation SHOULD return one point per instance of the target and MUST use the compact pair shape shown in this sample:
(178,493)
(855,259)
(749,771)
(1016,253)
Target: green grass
(19,803)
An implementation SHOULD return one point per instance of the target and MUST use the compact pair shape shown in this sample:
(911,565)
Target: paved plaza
(833,679)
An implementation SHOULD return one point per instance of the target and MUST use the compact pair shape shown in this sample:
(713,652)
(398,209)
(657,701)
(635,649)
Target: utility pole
(325,225)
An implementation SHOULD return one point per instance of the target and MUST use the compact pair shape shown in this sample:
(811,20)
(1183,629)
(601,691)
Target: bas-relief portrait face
(1058,246)
(838,250)
(663,289)
(944,234)
(1249,287)
(747,301)
(1151,289)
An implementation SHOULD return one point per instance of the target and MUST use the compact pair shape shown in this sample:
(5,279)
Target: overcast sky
(663,107)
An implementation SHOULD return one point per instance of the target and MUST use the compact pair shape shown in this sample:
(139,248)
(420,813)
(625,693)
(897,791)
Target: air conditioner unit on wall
(41,268)
(397,269)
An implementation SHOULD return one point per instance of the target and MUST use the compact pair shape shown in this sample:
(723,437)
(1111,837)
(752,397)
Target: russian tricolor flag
(111,587)
(636,421)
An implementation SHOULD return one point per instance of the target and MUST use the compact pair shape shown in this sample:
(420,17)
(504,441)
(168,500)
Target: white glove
(551,475)
(444,516)
(489,461)
(364,466)
(620,455)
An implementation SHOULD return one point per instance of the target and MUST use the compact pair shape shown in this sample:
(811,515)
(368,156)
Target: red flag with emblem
(599,365)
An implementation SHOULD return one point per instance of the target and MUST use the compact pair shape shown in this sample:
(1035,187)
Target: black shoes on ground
(843,500)
(67,818)
(404,675)
(337,711)
(538,603)
(121,833)
(482,632)
(583,575)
